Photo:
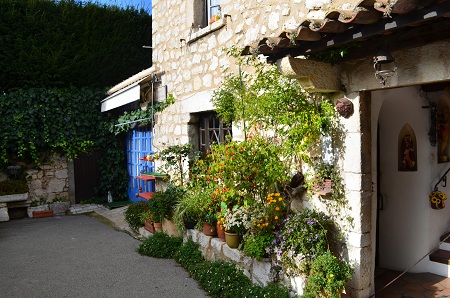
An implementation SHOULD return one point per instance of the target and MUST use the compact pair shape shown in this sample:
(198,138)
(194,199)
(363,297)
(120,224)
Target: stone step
(441,256)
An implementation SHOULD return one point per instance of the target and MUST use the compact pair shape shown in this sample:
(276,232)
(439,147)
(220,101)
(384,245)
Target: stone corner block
(232,254)
(217,245)
(192,234)
(204,240)
(262,272)
(4,216)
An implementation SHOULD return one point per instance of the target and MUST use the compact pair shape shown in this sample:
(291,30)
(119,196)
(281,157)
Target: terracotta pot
(149,226)
(220,232)
(158,227)
(209,230)
(43,213)
(232,239)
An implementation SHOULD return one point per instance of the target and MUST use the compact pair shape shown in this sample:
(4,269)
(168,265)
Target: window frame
(209,122)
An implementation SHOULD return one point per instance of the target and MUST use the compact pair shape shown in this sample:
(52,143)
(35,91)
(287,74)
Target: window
(211,131)
(203,11)
(212,8)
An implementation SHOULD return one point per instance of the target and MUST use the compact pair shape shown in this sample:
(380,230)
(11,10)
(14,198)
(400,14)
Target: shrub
(133,214)
(188,255)
(11,187)
(327,277)
(160,245)
(255,245)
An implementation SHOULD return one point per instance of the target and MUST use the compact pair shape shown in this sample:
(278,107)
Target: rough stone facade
(50,181)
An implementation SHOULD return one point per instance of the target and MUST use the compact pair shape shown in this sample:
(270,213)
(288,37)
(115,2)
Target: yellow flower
(278,208)
(280,199)
(277,194)
(276,217)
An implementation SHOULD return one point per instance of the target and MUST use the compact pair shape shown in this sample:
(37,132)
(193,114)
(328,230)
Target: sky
(146,4)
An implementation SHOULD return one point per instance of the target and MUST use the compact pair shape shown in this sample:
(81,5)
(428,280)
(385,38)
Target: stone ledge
(14,198)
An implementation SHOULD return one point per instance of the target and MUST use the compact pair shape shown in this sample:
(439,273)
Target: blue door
(139,144)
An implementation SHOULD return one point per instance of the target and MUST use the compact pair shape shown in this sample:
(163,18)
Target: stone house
(395,152)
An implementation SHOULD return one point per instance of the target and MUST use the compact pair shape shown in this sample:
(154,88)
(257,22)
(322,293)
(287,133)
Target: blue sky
(146,4)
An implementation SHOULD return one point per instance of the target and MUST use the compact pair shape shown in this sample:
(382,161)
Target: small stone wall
(50,181)
(214,249)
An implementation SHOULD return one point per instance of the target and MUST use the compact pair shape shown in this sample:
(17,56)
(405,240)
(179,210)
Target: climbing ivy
(39,120)
(126,121)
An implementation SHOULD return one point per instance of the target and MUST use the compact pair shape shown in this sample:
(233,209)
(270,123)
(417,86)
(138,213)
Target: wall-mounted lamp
(385,66)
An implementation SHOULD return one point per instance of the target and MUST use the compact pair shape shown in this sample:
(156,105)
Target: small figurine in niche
(409,162)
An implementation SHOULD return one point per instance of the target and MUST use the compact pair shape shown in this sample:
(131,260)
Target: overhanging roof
(366,25)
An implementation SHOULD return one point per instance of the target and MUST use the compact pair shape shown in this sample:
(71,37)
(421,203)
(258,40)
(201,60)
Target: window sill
(207,30)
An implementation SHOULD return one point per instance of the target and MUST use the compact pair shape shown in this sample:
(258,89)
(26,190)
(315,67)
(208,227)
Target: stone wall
(192,63)
(50,181)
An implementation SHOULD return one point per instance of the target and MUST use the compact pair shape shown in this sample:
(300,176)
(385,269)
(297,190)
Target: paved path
(79,256)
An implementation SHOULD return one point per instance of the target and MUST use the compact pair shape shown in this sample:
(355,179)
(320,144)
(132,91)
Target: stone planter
(59,208)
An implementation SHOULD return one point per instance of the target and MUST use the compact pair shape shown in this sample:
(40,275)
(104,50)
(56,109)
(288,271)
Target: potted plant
(147,218)
(210,224)
(236,222)
(322,181)
(256,245)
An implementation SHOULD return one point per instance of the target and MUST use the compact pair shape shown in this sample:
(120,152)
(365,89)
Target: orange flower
(278,208)
(276,217)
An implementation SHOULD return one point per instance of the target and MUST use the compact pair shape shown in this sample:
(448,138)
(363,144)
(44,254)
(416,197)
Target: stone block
(4,216)
(261,272)
(232,254)
(204,240)
(217,245)
(193,234)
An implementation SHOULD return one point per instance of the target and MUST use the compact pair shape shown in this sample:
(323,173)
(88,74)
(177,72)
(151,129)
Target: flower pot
(149,226)
(232,239)
(220,232)
(209,230)
(158,227)
(43,213)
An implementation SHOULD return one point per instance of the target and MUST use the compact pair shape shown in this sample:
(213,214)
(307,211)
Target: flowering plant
(236,219)
(268,216)
(327,277)
(302,237)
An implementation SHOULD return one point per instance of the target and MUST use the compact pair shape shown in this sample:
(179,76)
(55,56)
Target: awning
(122,97)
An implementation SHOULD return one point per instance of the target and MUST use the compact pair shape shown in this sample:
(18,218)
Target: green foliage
(242,171)
(303,236)
(188,255)
(174,160)
(160,207)
(39,120)
(79,43)
(160,245)
(11,187)
(327,277)
(113,165)
(218,279)
(255,245)
(147,114)
(195,205)
(271,102)
(133,214)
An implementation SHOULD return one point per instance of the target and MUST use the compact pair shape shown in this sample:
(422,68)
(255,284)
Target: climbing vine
(39,120)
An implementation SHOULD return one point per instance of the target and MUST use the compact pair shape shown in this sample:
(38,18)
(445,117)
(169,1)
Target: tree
(49,43)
